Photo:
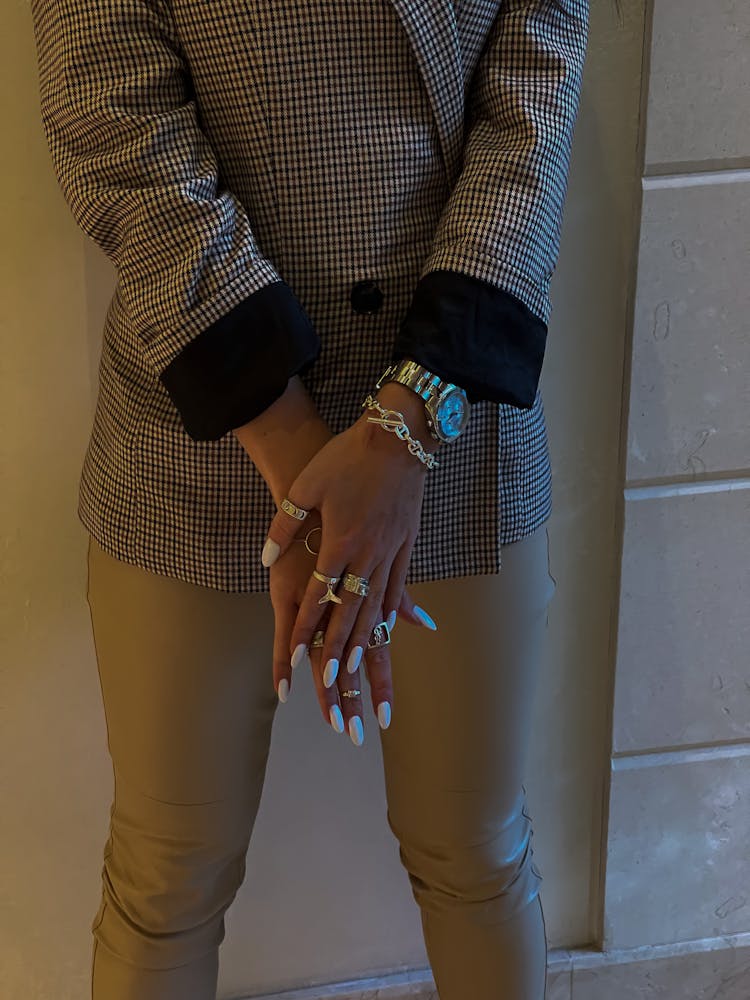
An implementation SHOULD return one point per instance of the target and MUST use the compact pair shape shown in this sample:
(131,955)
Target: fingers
(352,616)
(328,697)
(351,624)
(344,712)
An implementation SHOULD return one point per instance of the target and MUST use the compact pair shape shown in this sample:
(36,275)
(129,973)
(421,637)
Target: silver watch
(446,406)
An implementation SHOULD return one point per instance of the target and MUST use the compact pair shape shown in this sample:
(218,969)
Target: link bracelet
(393,420)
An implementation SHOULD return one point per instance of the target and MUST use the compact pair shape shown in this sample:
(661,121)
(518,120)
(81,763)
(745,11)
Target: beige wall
(289,926)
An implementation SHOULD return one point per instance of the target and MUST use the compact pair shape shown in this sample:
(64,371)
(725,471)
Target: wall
(55,775)
(674,915)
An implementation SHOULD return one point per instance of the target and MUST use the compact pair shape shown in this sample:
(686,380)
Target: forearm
(284,437)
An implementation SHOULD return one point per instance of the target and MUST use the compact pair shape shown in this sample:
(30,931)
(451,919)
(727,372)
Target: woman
(334,228)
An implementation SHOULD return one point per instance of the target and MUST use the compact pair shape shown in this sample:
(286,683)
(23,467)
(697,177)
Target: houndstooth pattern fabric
(212,147)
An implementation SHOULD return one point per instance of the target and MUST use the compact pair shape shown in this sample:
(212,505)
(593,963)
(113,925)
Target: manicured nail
(356,731)
(337,719)
(270,552)
(283,689)
(391,620)
(384,714)
(330,672)
(424,617)
(354,660)
(298,654)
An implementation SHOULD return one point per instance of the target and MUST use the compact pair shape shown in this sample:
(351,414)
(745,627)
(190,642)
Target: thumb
(285,526)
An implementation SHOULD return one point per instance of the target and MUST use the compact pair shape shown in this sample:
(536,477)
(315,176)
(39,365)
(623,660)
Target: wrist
(394,396)
(284,437)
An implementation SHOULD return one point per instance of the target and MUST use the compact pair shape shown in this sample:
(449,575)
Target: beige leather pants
(189,727)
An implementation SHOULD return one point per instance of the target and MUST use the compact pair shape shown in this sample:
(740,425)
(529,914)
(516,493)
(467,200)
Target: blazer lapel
(431,28)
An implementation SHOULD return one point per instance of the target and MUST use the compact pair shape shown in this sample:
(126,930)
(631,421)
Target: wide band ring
(330,582)
(359,585)
(291,508)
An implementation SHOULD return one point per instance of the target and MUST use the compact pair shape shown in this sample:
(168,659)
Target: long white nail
(424,617)
(356,731)
(337,719)
(283,689)
(391,621)
(330,672)
(354,659)
(384,714)
(270,552)
(297,655)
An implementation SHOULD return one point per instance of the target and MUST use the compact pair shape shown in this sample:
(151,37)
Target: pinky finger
(396,585)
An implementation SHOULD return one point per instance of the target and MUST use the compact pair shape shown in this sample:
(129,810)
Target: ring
(318,527)
(351,693)
(291,508)
(356,584)
(380,636)
(330,582)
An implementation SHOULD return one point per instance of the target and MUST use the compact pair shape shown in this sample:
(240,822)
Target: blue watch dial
(451,414)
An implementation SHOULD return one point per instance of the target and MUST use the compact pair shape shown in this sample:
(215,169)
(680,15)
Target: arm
(480,310)
(218,325)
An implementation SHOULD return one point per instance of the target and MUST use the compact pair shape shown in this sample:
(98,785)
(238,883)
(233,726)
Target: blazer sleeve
(218,325)
(481,307)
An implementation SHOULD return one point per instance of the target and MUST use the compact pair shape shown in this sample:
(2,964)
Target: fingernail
(337,719)
(424,617)
(297,655)
(329,674)
(356,731)
(283,689)
(270,552)
(354,659)
(384,714)
(391,620)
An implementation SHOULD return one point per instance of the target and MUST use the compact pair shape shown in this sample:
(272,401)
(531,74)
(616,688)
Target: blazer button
(366,297)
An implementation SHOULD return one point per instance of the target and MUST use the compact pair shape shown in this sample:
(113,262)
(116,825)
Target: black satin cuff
(476,335)
(240,365)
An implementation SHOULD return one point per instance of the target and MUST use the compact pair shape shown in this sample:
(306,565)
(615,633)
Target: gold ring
(351,693)
(291,508)
(330,582)
(356,584)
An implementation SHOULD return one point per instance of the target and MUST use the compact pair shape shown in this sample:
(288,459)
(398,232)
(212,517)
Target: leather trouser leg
(188,694)
(454,758)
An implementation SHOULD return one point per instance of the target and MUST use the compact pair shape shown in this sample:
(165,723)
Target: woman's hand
(368,489)
(289,578)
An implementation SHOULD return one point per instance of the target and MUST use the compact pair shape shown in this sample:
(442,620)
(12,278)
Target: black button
(366,297)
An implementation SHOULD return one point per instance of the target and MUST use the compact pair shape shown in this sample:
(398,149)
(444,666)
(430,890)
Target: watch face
(452,414)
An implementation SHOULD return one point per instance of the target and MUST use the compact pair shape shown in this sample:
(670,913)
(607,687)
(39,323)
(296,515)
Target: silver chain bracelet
(393,420)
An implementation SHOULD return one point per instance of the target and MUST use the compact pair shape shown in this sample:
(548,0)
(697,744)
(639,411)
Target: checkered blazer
(302,187)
